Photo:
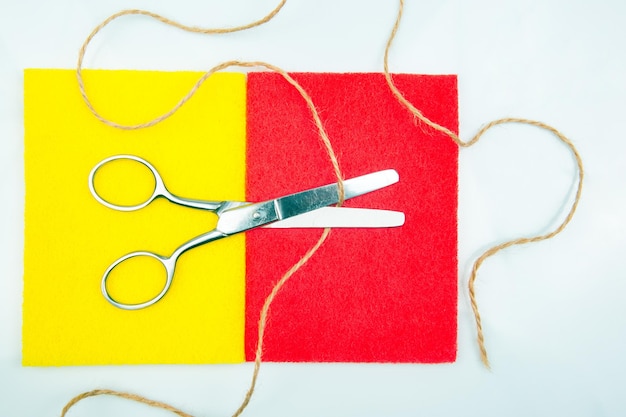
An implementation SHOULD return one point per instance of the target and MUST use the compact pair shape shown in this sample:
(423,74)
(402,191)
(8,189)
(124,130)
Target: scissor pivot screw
(256,215)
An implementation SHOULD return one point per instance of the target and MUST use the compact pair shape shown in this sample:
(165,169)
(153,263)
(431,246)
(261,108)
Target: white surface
(554,312)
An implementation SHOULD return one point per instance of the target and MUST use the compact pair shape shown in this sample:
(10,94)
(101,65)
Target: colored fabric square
(70,239)
(368,295)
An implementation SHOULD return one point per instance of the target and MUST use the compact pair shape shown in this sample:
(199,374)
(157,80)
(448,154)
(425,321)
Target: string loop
(466,144)
(264,313)
(263,317)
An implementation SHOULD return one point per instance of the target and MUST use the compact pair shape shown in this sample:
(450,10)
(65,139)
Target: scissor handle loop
(168,263)
(159,186)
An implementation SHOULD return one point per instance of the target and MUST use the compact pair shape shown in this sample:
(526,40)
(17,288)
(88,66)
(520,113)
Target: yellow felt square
(70,239)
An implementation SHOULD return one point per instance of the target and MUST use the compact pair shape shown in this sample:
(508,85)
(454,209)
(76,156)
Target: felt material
(70,239)
(368,295)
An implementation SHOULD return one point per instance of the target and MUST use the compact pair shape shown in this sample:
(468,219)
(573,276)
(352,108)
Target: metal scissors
(239,216)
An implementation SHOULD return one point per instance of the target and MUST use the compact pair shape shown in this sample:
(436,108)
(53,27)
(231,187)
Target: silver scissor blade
(254,215)
(313,199)
(341,217)
(364,184)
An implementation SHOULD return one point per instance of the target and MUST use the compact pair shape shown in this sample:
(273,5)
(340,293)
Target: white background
(554,312)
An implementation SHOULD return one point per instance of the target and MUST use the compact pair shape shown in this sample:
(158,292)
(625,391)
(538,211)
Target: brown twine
(126,395)
(263,317)
(497,248)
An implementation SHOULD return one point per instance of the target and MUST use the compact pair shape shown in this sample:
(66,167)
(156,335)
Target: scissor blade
(259,214)
(309,200)
(343,217)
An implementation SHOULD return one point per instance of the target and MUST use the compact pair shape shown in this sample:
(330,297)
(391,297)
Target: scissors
(239,216)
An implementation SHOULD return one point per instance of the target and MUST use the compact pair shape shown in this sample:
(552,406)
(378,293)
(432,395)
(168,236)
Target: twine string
(125,395)
(466,144)
(264,313)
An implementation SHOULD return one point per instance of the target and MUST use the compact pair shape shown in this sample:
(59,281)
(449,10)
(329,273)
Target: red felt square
(368,295)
